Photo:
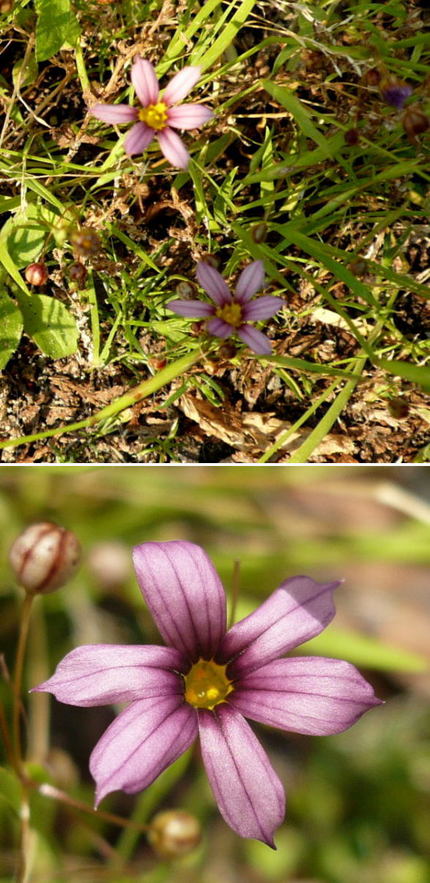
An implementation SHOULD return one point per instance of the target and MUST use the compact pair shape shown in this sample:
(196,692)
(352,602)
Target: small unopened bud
(78,274)
(36,274)
(109,563)
(174,833)
(186,290)
(259,232)
(394,91)
(414,121)
(85,242)
(44,557)
(352,136)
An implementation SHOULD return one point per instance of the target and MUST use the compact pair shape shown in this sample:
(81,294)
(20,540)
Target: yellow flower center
(230,313)
(207,684)
(155,115)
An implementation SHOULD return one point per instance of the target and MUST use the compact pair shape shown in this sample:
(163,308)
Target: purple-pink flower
(159,115)
(207,681)
(231,313)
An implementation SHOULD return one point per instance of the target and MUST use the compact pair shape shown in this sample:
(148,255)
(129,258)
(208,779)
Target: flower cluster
(231,313)
(207,681)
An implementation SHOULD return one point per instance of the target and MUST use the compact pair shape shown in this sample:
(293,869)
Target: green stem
(235,586)
(55,794)
(144,389)
(17,680)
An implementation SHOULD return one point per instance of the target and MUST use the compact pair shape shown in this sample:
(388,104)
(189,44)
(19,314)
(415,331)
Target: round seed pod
(186,290)
(36,274)
(78,274)
(352,136)
(44,557)
(174,833)
(398,408)
(259,232)
(415,121)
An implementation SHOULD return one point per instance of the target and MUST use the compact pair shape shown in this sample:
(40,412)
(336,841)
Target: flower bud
(174,833)
(259,232)
(186,290)
(36,274)
(85,242)
(78,274)
(394,91)
(414,121)
(44,557)
(211,260)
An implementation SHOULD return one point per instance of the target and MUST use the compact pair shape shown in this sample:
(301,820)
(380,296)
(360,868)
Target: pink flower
(207,681)
(159,116)
(232,312)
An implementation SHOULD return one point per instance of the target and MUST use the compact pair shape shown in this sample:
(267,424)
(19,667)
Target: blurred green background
(358,803)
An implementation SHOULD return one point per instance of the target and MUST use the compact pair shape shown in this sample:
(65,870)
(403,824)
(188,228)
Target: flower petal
(185,596)
(262,308)
(309,695)
(256,340)
(246,788)
(299,610)
(173,148)
(250,281)
(114,113)
(219,328)
(213,283)
(181,84)
(100,674)
(189,116)
(141,742)
(145,81)
(138,139)
(191,309)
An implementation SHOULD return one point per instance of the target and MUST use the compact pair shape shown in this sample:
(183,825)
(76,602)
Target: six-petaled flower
(207,681)
(159,115)
(231,313)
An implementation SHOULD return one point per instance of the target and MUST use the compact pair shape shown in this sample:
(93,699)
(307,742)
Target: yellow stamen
(230,313)
(207,684)
(155,115)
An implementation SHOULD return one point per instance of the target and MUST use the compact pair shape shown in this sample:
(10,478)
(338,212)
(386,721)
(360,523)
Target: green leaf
(24,75)
(11,326)
(24,234)
(363,650)
(48,322)
(300,113)
(56,26)
(415,373)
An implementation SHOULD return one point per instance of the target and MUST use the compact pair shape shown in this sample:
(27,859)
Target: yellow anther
(206,684)
(230,313)
(155,115)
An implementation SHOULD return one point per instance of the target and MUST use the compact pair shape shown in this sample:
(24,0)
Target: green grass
(285,83)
